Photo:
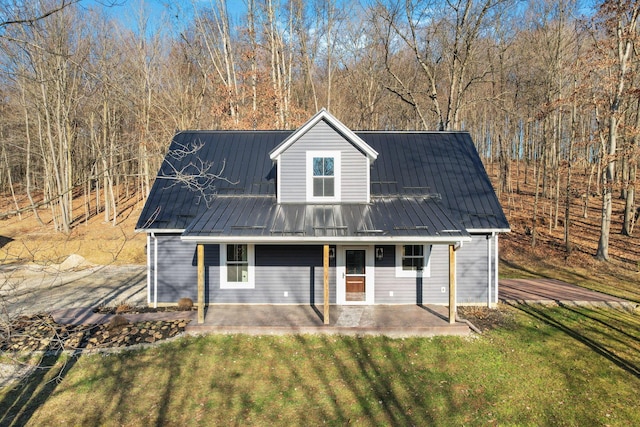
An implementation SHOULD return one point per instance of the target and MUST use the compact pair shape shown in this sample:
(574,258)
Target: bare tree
(20,13)
(443,41)
(620,17)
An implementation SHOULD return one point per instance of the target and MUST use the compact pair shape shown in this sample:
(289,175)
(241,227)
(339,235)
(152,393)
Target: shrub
(117,321)
(185,304)
(123,308)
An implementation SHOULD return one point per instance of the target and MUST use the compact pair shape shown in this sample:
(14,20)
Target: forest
(549,90)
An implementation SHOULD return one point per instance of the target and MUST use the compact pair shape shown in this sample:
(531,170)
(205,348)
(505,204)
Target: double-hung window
(323,176)
(413,260)
(236,266)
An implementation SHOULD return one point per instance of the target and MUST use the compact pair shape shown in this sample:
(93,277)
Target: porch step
(458,329)
(388,320)
(350,317)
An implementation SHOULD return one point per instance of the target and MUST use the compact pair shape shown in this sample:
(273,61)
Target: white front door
(355,275)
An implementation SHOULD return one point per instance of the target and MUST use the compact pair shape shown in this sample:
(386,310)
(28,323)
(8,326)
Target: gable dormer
(323,162)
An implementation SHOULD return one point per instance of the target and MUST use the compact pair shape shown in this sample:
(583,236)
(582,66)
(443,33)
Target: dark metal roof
(442,166)
(386,217)
(245,155)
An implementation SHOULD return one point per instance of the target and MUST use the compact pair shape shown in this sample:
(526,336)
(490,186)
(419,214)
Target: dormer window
(323,176)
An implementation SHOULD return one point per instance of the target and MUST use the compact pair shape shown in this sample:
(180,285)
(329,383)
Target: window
(412,257)
(323,176)
(236,266)
(413,260)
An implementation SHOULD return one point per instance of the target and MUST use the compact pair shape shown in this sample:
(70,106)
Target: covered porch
(389,320)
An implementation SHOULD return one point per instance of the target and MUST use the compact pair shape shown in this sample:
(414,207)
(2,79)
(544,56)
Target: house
(322,215)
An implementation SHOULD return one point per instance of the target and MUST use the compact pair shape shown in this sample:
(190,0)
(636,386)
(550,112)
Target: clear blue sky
(127,11)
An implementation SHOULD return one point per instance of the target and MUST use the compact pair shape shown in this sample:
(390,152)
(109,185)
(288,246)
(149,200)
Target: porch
(389,320)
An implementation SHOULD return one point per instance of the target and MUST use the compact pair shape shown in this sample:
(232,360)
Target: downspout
(489,273)
(149,268)
(496,261)
(155,271)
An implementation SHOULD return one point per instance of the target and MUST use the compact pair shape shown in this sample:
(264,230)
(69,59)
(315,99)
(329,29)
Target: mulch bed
(485,318)
(41,333)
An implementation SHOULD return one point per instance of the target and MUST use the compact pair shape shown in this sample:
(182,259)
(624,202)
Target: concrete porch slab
(389,320)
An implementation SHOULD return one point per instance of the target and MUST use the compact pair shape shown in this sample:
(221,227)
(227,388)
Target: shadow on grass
(583,331)
(21,402)
(369,382)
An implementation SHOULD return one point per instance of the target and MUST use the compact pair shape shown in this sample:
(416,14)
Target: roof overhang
(261,219)
(488,230)
(159,230)
(335,123)
(306,240)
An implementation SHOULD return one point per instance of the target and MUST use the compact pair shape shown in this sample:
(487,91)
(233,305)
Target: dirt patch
(485,318)
(26,291)
(24,239)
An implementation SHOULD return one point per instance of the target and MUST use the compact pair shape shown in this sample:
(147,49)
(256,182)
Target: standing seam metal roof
(392,217)
(442,167)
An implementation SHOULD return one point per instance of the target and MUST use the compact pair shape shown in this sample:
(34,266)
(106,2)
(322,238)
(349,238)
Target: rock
(74,261)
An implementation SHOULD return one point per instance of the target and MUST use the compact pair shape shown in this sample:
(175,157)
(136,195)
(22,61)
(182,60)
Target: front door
(355,275)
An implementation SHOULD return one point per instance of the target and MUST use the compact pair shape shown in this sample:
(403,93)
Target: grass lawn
(544,366)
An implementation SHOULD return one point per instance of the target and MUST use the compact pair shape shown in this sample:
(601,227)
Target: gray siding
(471,269)
(404,289)
(471,274)
(177,268)
(408,290)
(439,276)
(323,137)
(296,270)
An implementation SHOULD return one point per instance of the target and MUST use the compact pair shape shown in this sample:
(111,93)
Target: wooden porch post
(325,263)
(452,284)
(200,283)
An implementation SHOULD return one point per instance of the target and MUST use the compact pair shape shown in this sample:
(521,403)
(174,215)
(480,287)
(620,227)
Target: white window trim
(224,284)
(337,180)
(426,271)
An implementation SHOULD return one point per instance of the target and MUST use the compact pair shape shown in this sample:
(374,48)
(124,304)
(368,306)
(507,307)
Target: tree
(20,13)
(619,18)
(444,43)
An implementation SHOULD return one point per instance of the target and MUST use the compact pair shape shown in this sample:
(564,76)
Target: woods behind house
(89,104)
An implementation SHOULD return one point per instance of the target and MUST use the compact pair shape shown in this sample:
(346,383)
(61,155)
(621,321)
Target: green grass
(546,366)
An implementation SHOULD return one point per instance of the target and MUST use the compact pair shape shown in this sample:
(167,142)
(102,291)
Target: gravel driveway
(32,289)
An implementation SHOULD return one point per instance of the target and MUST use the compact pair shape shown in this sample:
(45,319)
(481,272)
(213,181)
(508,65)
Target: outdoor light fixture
(332,253)
(379,253)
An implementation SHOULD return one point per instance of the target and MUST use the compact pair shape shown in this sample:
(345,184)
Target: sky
(158,11)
